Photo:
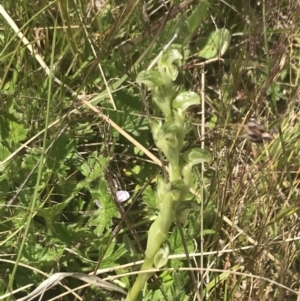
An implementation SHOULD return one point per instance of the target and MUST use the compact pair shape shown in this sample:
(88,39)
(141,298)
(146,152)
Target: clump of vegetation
(169,138)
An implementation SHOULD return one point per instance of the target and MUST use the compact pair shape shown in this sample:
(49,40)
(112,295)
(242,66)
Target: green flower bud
(195,156)
(161,187)
(161,257)
(184,209)
(156,126)
(163,96)
(166,66)
(150,78)
(167,141)
(185,99)
(187,175)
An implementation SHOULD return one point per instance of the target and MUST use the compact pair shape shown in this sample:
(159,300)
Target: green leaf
(102,218)
(149,196)
(131,252)
(197,17)
(132,124)
(129,100)
(4,153)
(219,278)
(113,253)
(136,169)
(216,44)
(17,132)
(94,166)
(208,232)
(185,99)
(58,152)
(175,242)
(54,210)
(37,253)
(5,120)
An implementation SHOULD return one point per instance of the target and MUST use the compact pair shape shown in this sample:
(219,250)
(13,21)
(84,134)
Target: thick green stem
(158,233)
(140,281)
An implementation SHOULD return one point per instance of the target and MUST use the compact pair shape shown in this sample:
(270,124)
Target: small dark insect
(256,133)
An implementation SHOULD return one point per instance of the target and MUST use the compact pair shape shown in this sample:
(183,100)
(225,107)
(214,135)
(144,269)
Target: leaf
(57,277)
(108,210)
(219,278)
(129,100)
(150,197)
(216,44)
(54,210)
(111,253)
(132,124)
(137,168)
(175,242)
(4,153)
(6,120)
(209,232)
(197,17)
(58,152)
(42,253)
(94,166)
(131,252)
(17,132)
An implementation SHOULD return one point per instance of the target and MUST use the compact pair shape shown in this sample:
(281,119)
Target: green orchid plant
(169,138)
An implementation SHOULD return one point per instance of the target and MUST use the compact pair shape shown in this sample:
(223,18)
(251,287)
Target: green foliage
(196,19)
(216,45)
